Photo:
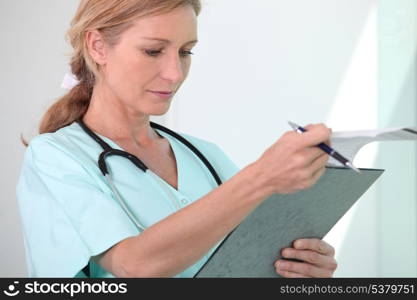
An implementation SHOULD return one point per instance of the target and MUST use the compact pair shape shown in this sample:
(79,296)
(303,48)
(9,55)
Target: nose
(173,69)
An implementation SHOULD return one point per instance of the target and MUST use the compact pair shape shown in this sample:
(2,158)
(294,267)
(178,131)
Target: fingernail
(298,244)
(278,264)
(286,252)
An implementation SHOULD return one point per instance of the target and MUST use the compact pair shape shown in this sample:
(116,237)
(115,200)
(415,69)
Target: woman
(130,58)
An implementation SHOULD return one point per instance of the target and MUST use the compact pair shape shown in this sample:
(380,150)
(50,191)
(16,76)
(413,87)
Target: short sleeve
(66,216)
(222,163)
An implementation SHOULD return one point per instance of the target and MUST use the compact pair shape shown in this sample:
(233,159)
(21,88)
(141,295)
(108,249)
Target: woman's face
(151,61)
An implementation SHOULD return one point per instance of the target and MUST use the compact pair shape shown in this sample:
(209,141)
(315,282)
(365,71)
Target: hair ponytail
(66,110)
(74,104)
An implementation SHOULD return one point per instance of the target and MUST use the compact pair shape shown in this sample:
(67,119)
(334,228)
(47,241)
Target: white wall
(397,205)
(258,64)
(274,61)
(309,61)
(32,64)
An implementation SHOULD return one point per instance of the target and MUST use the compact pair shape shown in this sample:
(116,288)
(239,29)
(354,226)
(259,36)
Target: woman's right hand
(294,162)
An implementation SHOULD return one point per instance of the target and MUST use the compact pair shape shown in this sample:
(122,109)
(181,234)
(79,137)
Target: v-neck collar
(174,149)
(177,156)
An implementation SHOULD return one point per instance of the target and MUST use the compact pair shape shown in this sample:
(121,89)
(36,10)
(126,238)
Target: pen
(327,149)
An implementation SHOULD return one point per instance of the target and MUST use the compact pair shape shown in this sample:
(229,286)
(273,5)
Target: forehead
(180,23)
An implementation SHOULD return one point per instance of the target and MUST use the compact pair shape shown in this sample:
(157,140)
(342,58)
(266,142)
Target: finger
(312,257)
(305,269)
(316,170)
(313,154)
(288,274)
(315,135)
(319,161)
(314,244)
(328,143)
(316,175)
(313,177)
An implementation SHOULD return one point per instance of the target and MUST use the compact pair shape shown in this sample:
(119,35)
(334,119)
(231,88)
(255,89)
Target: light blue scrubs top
(69,212)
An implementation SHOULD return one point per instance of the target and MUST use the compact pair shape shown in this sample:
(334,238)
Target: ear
(96,46)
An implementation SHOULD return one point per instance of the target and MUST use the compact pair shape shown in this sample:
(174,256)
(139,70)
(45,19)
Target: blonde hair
(111,18)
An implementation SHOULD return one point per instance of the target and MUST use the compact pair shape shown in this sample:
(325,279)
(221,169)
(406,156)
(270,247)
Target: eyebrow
(168,41)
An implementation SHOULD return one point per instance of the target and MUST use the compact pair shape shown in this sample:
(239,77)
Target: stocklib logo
(11,291)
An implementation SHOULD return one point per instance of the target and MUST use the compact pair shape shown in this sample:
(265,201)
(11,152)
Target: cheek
(128,74)
(186,64)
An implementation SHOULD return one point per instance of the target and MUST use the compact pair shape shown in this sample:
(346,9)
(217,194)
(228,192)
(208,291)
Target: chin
(159,111)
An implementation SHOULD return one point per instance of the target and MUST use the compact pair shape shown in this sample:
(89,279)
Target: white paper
(348,143)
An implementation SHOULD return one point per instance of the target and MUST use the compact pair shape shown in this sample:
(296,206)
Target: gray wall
(258,64)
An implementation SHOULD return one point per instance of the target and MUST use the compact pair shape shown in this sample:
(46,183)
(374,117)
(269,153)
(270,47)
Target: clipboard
(251,249)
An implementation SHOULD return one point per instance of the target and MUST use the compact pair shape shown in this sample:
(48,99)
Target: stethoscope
(109,151)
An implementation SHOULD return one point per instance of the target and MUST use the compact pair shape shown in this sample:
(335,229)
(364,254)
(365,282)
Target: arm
(178,241)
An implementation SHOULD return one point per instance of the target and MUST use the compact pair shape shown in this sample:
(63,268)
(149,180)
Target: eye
(157,52)
(153,52)
(186,53)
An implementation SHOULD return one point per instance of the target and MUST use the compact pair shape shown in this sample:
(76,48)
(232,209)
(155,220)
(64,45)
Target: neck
(108,116)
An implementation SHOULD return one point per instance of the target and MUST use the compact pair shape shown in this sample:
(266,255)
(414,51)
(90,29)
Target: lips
(162,94)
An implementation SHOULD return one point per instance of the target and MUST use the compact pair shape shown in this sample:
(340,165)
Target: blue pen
(327,149)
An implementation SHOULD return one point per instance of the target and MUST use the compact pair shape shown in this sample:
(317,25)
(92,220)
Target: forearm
(178,241)
(291,164)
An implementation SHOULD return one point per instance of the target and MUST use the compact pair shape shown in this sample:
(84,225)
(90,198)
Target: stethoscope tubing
(109,151)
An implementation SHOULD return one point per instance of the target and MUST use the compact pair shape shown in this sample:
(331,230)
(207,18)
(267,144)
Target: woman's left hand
(317,260)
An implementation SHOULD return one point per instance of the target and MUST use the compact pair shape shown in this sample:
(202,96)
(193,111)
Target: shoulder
(66,150)
(199,143)
(70,139)
(48,147)
(220,160)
